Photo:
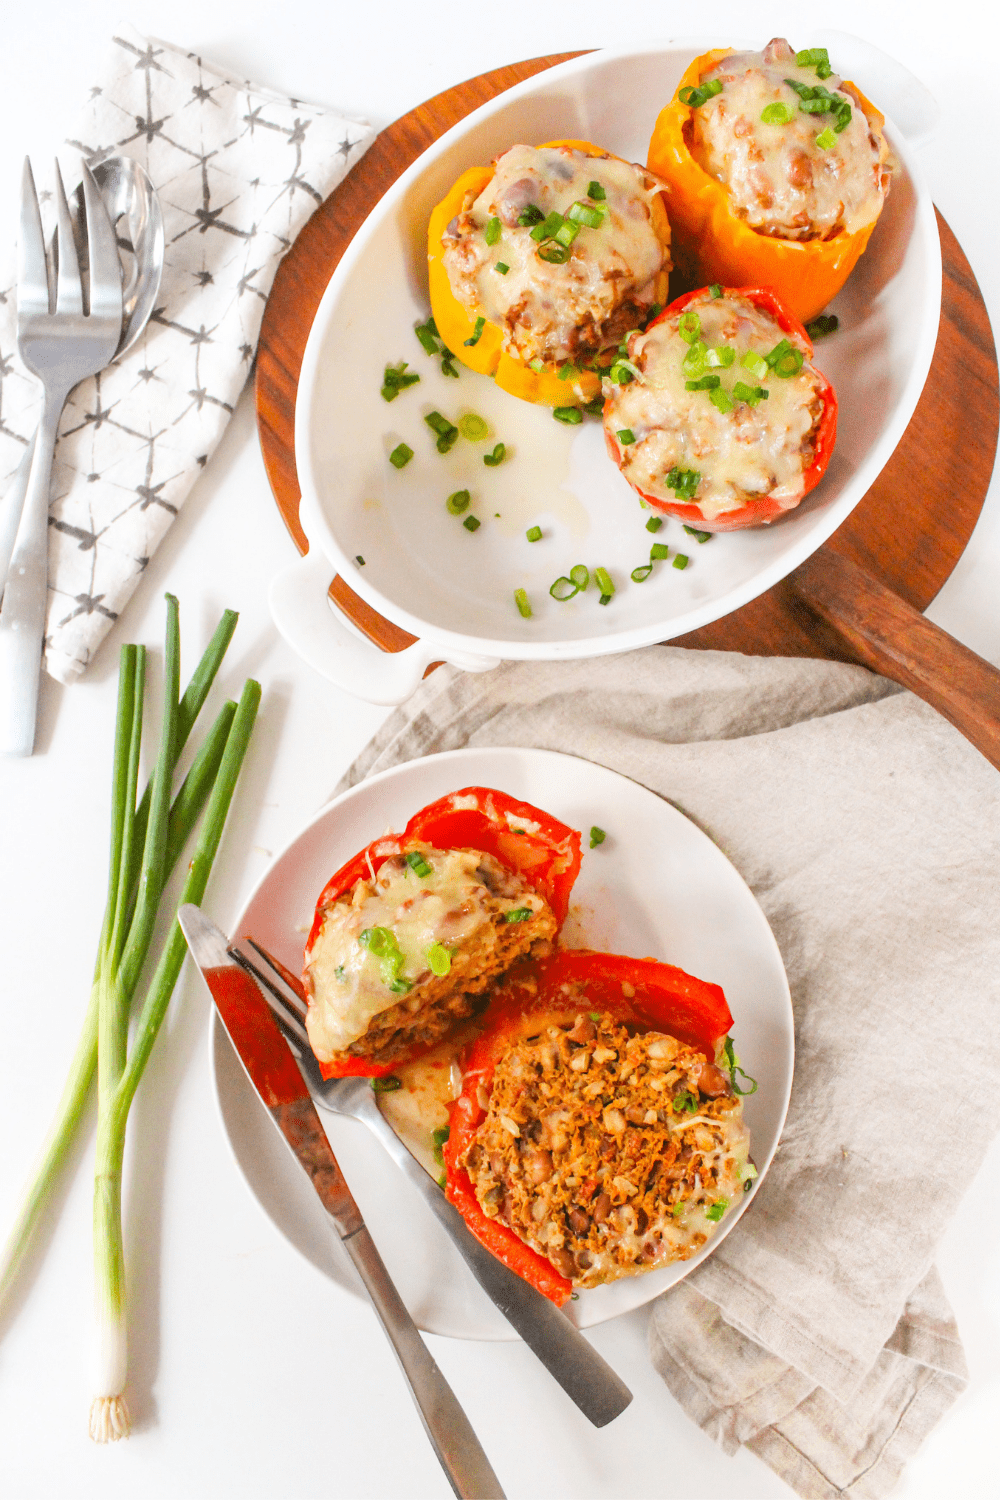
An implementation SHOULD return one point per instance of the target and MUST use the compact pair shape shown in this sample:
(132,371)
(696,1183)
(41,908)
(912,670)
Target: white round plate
(656,887)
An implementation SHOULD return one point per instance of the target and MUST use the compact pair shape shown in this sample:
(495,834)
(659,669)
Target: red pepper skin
(664,998)
(759,511)
(547,857)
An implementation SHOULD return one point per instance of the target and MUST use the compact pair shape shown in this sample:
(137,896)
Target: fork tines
(288,1007)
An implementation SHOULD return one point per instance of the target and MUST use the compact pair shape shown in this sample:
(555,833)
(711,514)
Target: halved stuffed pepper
(599,1132)
(776,172)
(541,262)
(411,934)
(724,421)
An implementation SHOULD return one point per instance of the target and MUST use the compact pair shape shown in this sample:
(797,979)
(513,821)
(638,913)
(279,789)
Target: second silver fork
(61,345)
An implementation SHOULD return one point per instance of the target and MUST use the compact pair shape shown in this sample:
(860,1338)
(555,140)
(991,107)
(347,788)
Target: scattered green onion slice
(585,214)
(821,326)
(537,365)
(699,536)
(623,371)
(755,363)
(594,408)
(733,1064)
(826,139)
(400,457)
(477,333)
(571,415)
(604,582)
(534,533)
(387,1085)
(596,193)
(530,215)
(519,914)
(694,360)
(564,589)
(502,267)
(428,335)
(568,370)
(639,575)
(395,380)
(447,432)
(496,457)
(471,524)
(597,836)
(681,561)
(705,383)
(418,864)
(546,228)
(684,1103)
(473,427)
(625,436)
(751,394)
(492,231)
(683,482)
(748,1172)
(654,523)
(580,576)
(715,291)
(721,400)
(554,253)
(604,599)
(360,560)
(523,604)
(815,57)
(717,1209)
(439,1137)
(448,367)
(659,552)
(720,357)
(438,959)
(785,360)
(776,114)
(695,97)
(689,326)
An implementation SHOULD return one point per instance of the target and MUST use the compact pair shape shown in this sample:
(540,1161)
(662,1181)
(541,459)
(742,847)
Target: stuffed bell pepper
(540,263)
(723,419)
(410,936)
(776,172)
(599,1132)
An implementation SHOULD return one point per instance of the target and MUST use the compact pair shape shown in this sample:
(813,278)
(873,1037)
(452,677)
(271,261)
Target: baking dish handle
(317,632)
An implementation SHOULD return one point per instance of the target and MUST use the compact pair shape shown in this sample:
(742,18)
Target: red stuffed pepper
(723,419)
(410,935)
(598,1132)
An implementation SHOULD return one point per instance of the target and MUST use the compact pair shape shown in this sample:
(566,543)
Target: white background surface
(251,1373)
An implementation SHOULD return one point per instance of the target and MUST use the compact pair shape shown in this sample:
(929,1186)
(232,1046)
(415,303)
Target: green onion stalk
(146,840)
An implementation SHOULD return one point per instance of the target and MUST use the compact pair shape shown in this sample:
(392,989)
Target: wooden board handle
(885,633)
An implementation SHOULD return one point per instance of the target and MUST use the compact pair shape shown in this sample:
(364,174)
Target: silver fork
(585,1377)
(61,345)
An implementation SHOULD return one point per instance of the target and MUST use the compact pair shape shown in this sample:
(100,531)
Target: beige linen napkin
(818,1333)
(238,170)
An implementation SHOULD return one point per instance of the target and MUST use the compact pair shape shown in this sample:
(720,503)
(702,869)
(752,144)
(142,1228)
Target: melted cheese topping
(747,452)
(349,984)
(551,311)
(778,178)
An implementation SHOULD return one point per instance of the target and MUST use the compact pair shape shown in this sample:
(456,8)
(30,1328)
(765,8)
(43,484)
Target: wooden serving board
(859,597)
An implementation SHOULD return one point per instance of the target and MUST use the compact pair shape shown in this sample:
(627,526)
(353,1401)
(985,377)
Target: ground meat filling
(599,284)
(404,956)
(785,175)
(732,452)
(607,1153)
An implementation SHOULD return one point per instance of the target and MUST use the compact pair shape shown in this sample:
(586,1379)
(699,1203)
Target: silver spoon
(134,210)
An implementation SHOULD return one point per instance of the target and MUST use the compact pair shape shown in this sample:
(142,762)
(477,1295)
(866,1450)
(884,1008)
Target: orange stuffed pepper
(540,263)
(776,173)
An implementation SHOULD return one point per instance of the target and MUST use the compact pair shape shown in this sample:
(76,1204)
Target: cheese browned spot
(778,178)
(738,455)
(365,1006)
(556,312)
(607,1153)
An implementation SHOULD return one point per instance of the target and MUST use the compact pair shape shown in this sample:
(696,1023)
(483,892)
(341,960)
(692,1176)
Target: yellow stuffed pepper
(776,173)
(542,262)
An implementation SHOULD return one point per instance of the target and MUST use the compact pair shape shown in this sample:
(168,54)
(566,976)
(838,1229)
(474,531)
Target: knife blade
(272,1070)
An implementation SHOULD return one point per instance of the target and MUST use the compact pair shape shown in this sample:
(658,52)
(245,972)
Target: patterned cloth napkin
(818,1333)
(238,170)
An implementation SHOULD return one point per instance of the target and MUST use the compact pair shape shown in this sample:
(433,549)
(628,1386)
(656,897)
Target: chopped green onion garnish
(815,57)
(530,215)
(563,589)
(523,604)
(519,914)
(502,267)
(545,228)
(426,334)
(721,357)
(604,599)
(492,231)
(821,326)
(603,580)
(339,973)
(400,456)
(571,415)
(717,1209)
(438,960)
(751,394)
(785,360)
(748,1172)
(583,213)
(639,575)
(496,457)
(689,326)
(597,836)
(418,864)
(680,561)
(715,291)
(538,365)
(477,333)
(625,436)
(534,533)
(684,1103)
(399,986)
(826,139)
(395,380)
(473,427)
(659,552)
(471,524)
(440,1136)
(596,193)
(594,408)
(387,1085)
(721,400)
(695,97)
(379,940)
(755,363)
(580,576)
(683,482)
(568,370)
(733,1064)
(360,560)
(654,523)
(623,372)
(699,536)
(694,360)
(555,253)
(776,114)
(447,432)
(448,364)
(705,383)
